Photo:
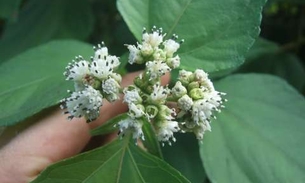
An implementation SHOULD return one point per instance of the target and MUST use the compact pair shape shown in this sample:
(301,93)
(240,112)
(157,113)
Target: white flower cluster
(186,107)
(134,122)
(153,109)
(193,96)
(156,53)
(93,81)
(197,99)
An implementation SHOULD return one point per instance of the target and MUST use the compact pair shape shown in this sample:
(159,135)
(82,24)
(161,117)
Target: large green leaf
(34,80)
(217,33)
(118,162)
(260,47)
(266,57)
(259,136)
(184,156)
(42,20)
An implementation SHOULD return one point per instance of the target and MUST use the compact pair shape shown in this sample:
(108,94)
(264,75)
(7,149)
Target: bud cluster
(93,81)
(196,100)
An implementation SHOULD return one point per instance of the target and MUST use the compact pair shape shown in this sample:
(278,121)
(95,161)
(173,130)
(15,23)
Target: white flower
(185,102)
(202,77)
(101,68)
(173,62)
(156,69)
(200,129)
(77,70)
(159,55)
(146,49)
(116,76)
(135,111)
(111,87)
(134,54)
(159,94)
(85,103)
(131,124)
(132,96)
(170,47)
(202,109)
(184,76)
(100,51)
(179,90)
(113,61)
(165,125)
(166,131)
(154,39)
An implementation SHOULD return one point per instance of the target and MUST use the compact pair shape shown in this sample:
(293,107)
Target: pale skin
(52,139)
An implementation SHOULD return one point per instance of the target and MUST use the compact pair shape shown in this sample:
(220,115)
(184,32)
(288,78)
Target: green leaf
(9,8)
(259,136)
(184,156)
(266,57)
(151,142)
(34,80)
(260,48)
(109,126)
(217,33)
(43,20)
(118,162)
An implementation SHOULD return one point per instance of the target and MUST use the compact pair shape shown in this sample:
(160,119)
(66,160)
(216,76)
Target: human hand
(52,139)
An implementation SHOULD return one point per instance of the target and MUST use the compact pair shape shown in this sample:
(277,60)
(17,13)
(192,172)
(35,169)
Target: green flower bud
(193,85)
(165,112)
(152,111)
(196,93)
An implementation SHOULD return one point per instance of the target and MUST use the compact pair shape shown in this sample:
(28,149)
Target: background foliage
(257,138)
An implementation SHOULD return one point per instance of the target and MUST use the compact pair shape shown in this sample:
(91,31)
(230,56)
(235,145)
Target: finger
(52,139)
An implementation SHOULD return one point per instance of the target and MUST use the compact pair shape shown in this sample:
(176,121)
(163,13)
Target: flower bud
(184,77)
(170,47)
(178,90)
(136,111)
(193,85)
(146,49)
(159,54)
(196,93)
(174,62)
(152,111)
(185,103)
